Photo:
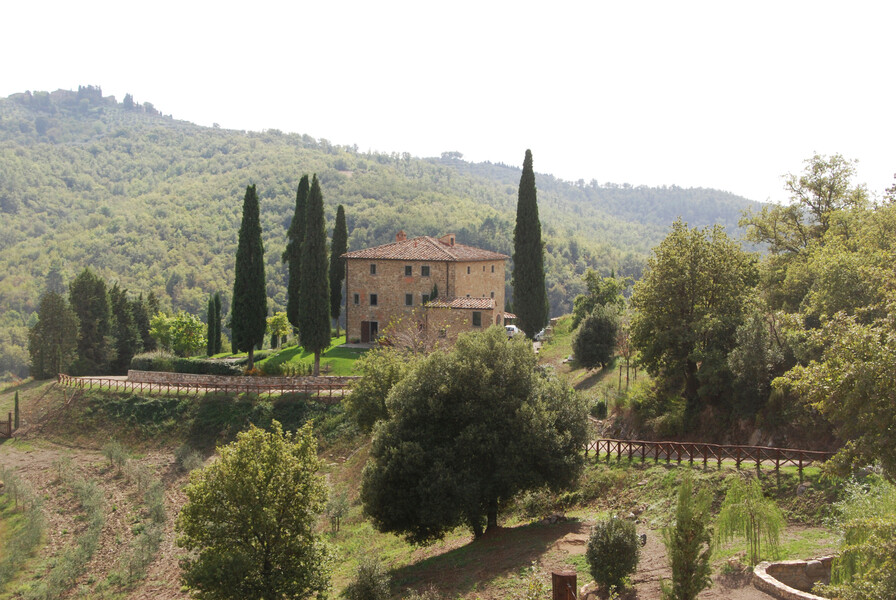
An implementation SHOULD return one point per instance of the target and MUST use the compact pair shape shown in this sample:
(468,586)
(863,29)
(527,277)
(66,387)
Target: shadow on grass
(472,566)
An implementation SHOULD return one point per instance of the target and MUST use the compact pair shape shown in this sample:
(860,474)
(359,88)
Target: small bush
(613,552)
(371,581)
(599,409)
(188,458)
(200,366)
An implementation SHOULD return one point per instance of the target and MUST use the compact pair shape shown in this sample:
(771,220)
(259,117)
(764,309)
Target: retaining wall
(792,579)
(161,377)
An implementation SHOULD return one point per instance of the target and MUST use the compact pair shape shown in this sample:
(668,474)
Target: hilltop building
(393,281)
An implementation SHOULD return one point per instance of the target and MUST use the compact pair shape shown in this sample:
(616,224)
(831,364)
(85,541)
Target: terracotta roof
(426,248)
(467,303)
(508,315)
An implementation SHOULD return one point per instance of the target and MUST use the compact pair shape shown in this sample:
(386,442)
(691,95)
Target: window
(373,268)
(468,270)
(493,268)
(409,299)
(408,270)
(493,294)
(373,300)
(477,319)
(424,298)
(483,268)
(357,299)
(424,271)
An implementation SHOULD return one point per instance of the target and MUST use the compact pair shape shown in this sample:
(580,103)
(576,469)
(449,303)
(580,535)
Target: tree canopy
(467,430)
(292,255)
(338,247)
(53,340)
(250,518)
(689,305)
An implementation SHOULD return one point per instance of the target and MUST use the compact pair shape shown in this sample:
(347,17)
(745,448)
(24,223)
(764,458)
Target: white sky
(713,94)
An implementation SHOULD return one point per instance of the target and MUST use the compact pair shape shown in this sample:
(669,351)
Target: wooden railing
(330,392)
(697,452)
(6,427)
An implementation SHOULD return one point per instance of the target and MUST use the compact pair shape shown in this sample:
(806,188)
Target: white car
(512,330)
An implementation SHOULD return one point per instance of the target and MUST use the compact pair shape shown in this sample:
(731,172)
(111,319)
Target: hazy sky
(706,94)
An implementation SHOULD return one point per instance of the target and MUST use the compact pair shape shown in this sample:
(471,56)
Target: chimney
(400,236)
(447,239)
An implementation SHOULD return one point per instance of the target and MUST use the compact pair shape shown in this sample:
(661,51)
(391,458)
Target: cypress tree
(140,310)
(250,303)
(53,340)
(16,412)
(124,330)
(314,292)
(90,301)
(337,265)
(217,322)
(529,297)
(210,334)
(293,253)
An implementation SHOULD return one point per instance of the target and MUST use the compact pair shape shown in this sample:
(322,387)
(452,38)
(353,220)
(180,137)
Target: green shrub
(371,581)
(200,366)
(599,409)
(613,552)
(154,361)
(188,458)
(689,544)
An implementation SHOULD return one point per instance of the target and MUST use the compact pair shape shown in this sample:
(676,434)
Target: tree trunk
(492,523)
(251,363)
(477,529)
(316,363)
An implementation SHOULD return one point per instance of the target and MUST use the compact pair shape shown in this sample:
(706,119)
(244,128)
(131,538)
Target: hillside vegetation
(153,203)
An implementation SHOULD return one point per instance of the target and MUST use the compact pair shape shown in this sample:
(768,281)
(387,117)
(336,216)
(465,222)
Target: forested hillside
(153,204)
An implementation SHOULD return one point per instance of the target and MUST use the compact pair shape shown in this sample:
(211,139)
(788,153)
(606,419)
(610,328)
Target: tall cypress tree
(217,322)
(338,247)
(248,314)
(90,301)
(314,292)
(529,297)
(210,333)
(293,253)
(140,310)
(124,330)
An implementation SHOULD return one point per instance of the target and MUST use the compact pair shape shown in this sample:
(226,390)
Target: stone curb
(767,583)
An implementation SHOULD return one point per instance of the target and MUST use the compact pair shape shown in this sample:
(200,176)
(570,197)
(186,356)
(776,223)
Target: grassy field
(334,361)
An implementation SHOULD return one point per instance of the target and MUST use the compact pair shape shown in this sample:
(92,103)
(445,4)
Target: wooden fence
(328,393)
(695,451)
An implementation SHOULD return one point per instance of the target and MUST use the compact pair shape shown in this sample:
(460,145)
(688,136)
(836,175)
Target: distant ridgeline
(154,203)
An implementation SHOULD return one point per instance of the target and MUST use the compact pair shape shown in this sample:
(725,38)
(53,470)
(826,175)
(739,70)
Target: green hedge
(161,361)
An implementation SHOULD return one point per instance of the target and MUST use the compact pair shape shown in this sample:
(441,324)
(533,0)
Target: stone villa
(396,280)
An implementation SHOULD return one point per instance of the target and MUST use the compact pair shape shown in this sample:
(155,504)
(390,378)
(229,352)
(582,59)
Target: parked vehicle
(512,330)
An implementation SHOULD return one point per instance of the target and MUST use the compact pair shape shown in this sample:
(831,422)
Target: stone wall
(792,579)
(455,321)
(483,279)
(164,378)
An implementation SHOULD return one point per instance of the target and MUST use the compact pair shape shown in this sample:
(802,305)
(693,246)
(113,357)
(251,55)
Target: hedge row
(160,361)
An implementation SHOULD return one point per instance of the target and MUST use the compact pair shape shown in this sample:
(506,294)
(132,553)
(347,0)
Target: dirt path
(653,566)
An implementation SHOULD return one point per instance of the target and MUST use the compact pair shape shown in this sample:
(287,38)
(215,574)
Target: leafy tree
(380,368)
(314,291)
(250,520)
(124,330)
(278,326)
(210,342)
(852,384)
(217,322)
(292,256)
(689,543)
(467,430)
(180,333)
(53,340)
(602,291)
(337,265)
(748,514)
(249,310)
(90,301)
(689,305)
(529,295)
(613,552)
(595,340)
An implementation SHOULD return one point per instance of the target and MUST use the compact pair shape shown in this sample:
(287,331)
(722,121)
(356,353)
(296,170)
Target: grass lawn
(341,361)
